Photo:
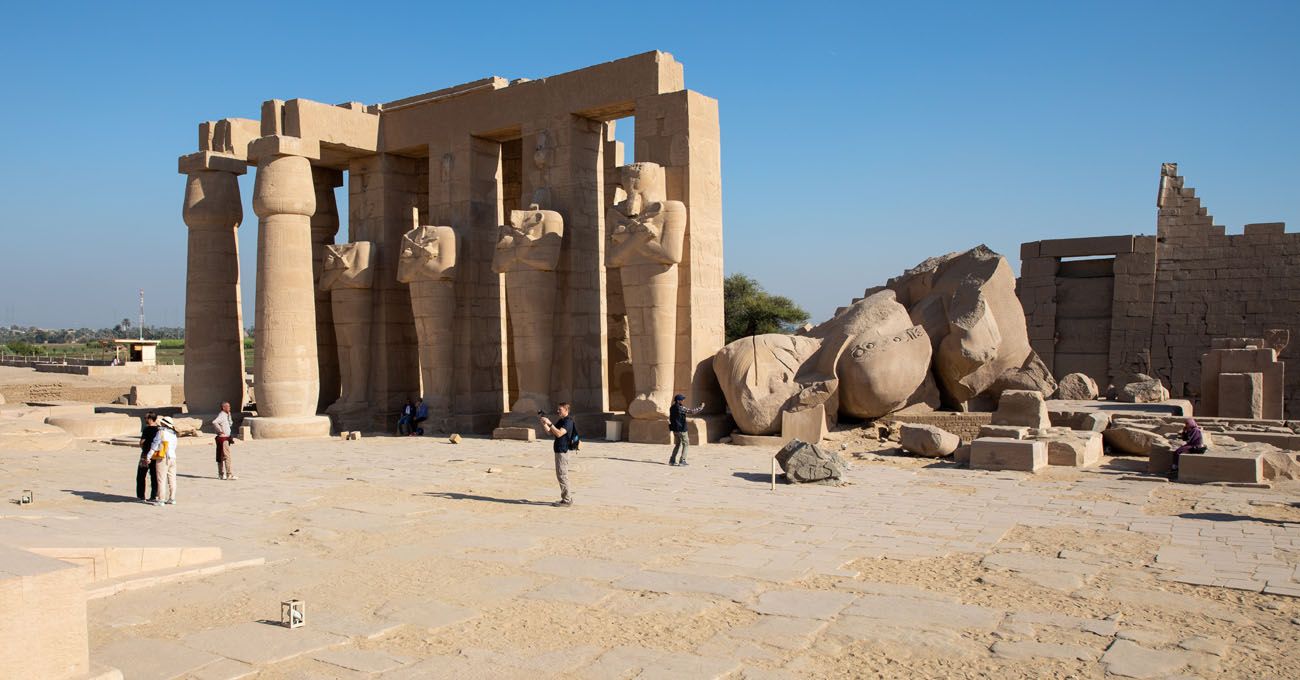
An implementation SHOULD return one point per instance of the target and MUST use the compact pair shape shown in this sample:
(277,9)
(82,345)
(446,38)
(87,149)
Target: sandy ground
(418,558)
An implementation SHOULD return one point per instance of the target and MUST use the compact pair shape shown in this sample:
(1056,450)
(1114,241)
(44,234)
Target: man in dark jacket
(677,425)
(562,430)
(148,467)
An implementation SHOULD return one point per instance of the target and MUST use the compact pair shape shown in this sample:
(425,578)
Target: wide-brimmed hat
(167,422)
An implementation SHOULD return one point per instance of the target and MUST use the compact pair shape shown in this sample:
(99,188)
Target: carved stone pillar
(324,227)
(287,379)
(348,274)
(646,234)
(214,334)
(428,264)
(527,252)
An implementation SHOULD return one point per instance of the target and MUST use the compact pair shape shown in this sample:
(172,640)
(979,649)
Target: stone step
(114,586)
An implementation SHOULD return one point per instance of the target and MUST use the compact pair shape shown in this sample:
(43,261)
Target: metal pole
(142,314)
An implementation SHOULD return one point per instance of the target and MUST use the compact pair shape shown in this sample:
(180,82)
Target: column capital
(265,148)
(207,160)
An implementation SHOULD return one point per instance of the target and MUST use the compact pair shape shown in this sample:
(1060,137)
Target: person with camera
(564,432)
(677,414)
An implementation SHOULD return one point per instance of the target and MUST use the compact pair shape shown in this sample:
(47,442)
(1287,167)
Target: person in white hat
(163,450)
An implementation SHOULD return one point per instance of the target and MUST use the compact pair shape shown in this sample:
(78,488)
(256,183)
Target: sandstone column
(527,253)
(348,274)
(324,227)
(646,234)
(287,379)
(214,347)
(428,264)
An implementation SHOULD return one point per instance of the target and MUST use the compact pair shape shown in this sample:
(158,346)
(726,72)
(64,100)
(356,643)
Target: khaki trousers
(167,479)
(562,475)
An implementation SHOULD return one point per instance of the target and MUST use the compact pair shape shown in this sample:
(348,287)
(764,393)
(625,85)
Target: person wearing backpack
(677,414)
(163,450)
(566,436)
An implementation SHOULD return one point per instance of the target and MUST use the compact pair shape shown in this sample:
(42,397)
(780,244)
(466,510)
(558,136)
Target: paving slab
(912,613)
(430,614)
(808,604)
(782,632)
(666,582)
(152,659)
(361,660)
(223,669)
(1030,649)
(262,643)
(572,592)
(1130,660)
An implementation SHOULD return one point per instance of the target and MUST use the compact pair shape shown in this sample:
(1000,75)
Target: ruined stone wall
(1213,285)
(1175,292)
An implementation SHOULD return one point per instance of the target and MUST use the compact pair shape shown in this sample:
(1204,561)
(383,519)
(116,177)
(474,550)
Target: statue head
(347,265)
(644,184)
(428,253)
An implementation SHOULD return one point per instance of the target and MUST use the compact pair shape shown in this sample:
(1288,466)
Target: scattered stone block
(23,435)
(928,440)
(1221,466)
(523,434)
(962,455)
(1077,387)
(1144,390)
(1086,420)
(807,425)
(803,463)
(1005,431)
(1022,408)
(1134,441)
(1073,449)
(1001,453)
(150,395)
(1241,395)
(99,425)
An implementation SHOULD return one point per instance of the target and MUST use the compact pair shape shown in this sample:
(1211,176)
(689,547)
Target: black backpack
(575,441)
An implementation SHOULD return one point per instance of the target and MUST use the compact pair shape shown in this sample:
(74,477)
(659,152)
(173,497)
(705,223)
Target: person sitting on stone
(404,423)
(421,415)
(1194,438)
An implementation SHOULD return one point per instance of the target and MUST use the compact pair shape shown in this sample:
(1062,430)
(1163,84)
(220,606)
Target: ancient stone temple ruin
(1115,306)
(499,255)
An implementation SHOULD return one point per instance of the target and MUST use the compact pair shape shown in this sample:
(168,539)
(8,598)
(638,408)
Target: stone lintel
(206,160)
(1083,247)
(281,145)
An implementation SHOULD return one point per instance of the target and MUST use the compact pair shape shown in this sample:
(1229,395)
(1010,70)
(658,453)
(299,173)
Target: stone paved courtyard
(421,559)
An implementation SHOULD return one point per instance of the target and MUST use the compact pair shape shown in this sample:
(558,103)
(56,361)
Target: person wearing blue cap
(677,414)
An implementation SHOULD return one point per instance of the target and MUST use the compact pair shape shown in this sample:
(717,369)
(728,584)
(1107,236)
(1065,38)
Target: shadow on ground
(486,499)
(1231,517)
(100,497)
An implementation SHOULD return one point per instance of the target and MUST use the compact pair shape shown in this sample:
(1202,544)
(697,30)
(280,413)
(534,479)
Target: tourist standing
(561,430)
(148,466)
(163,450)
(404,424)
(421,415)
(223,425)
(677,414)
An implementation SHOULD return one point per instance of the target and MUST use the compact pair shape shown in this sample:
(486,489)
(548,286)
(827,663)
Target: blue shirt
(422,411)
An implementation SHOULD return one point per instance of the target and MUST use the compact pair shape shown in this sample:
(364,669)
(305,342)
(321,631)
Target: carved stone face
(347,265)
(428,253)
(644,184)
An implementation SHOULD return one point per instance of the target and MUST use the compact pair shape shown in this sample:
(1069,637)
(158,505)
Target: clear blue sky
(858,138)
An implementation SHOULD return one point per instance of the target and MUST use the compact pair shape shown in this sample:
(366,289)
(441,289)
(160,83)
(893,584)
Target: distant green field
(170,351)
